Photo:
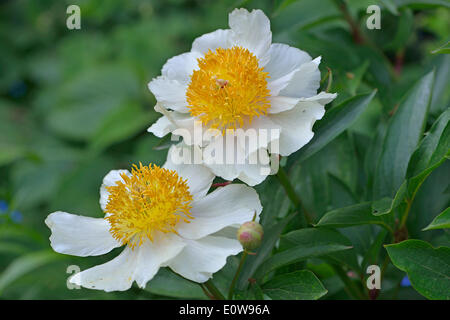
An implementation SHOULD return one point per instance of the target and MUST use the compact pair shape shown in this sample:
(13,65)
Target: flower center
(228,89)
(151,199)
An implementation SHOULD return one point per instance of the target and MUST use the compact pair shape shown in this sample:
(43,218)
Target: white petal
(108,181)
(181,67)
(80,236)
(280,103)
(251,30)
(322,98)
(211,41)
(284,59)
(232,204)
(297,125)
(161,127)
(201,258)
(165,125)
(139,265)
(253,174)
(171,94)
(304,82)
(185,160)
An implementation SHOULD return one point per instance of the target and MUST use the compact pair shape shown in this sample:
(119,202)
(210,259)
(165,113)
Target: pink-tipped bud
(250,235)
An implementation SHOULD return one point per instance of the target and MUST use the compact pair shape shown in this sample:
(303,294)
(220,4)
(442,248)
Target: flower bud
(250,235)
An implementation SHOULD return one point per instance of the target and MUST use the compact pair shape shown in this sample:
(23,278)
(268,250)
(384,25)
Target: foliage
(74,105)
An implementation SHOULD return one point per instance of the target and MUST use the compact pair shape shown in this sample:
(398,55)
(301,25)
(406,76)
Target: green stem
(213,290)
(350,287)
(292,195)
(236,276)
(206,292)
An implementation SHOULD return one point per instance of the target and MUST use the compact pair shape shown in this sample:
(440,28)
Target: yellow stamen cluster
(228,89)
(151,199)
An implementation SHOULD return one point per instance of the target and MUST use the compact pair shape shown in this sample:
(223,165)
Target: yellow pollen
(228,89)
(151,199)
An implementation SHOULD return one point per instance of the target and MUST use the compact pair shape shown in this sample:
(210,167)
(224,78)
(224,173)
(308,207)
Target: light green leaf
(298,285)
(445,48)
(442,221)
(428,268)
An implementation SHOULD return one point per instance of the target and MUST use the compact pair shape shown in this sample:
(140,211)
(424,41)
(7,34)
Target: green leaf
(304,244)
(298,285)
(442,221)
(334,123)
(166,283)
(354,215)
(433,150)
(402,137)
(428,268)
(25,264)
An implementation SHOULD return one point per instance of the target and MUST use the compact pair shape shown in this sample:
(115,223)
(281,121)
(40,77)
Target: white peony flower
(163,217)
(237,79)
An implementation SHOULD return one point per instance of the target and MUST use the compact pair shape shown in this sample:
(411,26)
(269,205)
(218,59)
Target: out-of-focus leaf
(444,49)
(298,285)
(421,4)
(90,99)
(428,268)
(442,221)
(25,264)
(125,122)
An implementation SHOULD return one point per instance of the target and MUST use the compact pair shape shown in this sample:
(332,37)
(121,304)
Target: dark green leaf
(428,268)
(304,244)
(402,137)
(299,285)
(442,221)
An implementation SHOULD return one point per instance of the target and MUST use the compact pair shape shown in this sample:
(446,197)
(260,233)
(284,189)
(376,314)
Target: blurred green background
(74,104)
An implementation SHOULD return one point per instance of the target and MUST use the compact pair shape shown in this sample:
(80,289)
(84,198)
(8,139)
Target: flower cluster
(231,81)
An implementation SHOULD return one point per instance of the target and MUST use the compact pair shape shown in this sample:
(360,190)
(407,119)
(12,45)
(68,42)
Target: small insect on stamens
(221,82)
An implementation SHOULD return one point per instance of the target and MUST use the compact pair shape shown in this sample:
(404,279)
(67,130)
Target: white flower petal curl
(80,236)
(229,205)
(181,67)
(139,264)
(251,30)
(201,258)
(108,181)
(297,125)
(171,94)
(284,59)
(304,81)
(211,41)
